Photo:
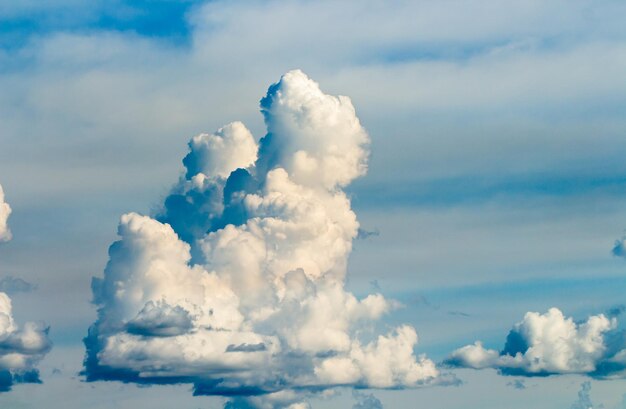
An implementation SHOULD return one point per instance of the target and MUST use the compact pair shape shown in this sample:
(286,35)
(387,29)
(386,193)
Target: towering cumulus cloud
(237,284)
(20,348)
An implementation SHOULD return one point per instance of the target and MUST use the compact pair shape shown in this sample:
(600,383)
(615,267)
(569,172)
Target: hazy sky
(495,184)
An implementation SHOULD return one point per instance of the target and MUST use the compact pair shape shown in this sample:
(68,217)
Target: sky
(472,177)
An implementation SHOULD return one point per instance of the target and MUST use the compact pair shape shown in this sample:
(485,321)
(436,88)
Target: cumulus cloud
(366,401)
(543,344)
(20,348)
(237,283)
(5,212)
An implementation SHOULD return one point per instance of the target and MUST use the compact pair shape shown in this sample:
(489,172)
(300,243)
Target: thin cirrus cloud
(20,348)
(237,283)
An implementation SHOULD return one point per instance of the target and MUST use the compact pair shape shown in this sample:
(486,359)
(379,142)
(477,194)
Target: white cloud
(317,138)
(5,212)
(619,249)
(584,398)
(239,284)
(387,362)
(12,285)
(218,154)
(20,348)
(546,343)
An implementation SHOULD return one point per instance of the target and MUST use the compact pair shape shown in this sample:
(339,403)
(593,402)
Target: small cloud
(375,285)
(5,212)
(366,401)
(550,343)
(616,311)
(517,384)
(12,285)
(363,234)
(618,248)
(584,398)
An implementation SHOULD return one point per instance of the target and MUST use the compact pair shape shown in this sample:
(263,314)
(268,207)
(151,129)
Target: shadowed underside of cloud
(237,283)
(20,348)
(552,344)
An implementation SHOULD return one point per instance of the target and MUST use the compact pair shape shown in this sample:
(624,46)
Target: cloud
(5,212)
(584,398)
(12,285)
(20,348)
(517,384)
(366,401)
(237,283)
(365,234)
(283,399)
(544,344)
(619,249)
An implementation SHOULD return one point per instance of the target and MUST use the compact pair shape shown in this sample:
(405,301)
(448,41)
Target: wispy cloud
(13,285)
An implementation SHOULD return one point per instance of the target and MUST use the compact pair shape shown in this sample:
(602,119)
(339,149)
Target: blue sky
(496,177)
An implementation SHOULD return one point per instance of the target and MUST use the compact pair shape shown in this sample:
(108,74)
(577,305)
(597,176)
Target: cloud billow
(552,344)
(237,284)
